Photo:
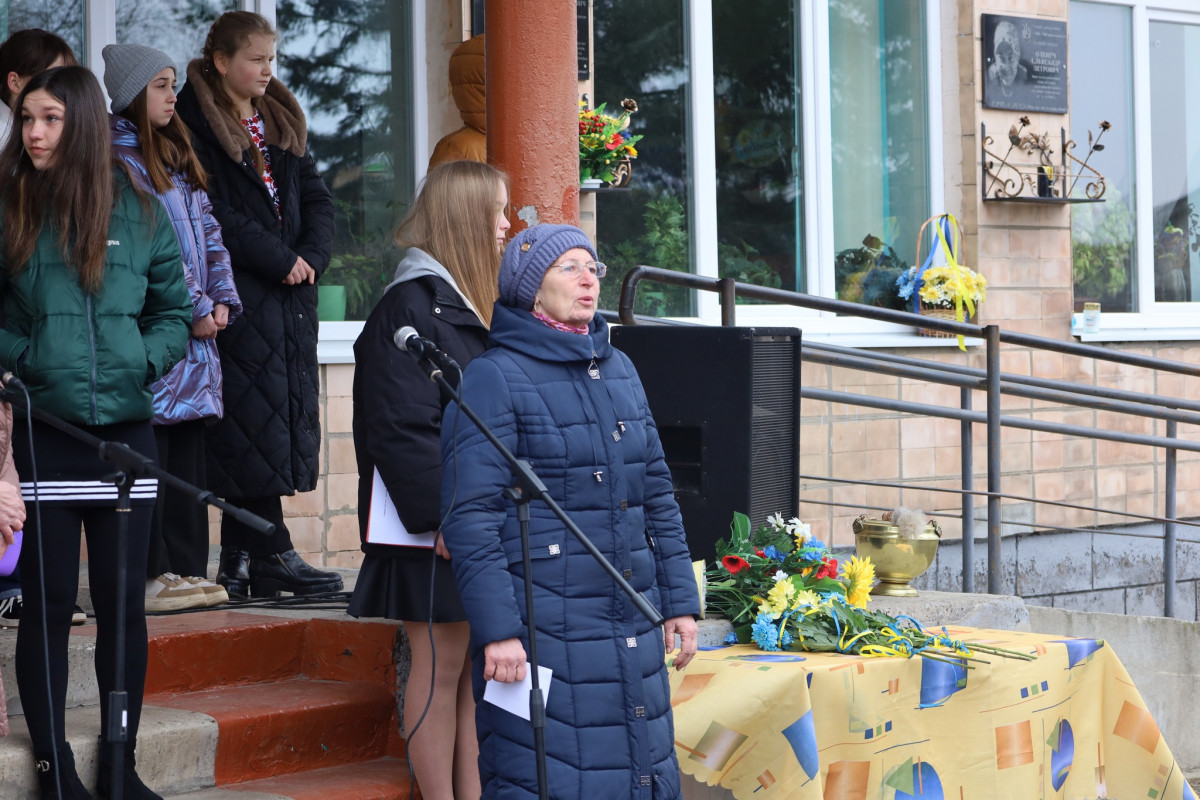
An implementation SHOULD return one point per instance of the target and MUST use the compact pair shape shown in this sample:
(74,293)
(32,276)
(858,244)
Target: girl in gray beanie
(156,148)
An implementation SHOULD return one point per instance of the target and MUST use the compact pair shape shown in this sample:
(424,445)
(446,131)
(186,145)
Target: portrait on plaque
(1024,63)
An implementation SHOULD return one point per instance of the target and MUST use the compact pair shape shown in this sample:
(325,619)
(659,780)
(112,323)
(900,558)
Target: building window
(639,53)
(175,28)
(879,138)
(1104,236)
(822,137)
(1174,53)
(339,60)
(1134,63)
(66,18)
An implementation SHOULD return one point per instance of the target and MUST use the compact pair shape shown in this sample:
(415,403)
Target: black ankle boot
(72,787)
(233,572)
(132,786)
(287,572)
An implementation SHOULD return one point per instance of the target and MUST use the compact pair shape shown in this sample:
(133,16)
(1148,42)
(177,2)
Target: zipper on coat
(92,346)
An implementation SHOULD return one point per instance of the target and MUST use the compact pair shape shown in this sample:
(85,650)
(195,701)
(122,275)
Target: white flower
(780,575)
(799,529)
(776,521)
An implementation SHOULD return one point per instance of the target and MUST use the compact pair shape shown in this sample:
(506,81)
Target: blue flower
(730,638)
(772,552)
(764,633)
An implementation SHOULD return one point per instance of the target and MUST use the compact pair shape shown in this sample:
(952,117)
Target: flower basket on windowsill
(942,312)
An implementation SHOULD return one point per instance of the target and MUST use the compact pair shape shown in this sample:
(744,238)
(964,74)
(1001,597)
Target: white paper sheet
(383,521)
(514,697)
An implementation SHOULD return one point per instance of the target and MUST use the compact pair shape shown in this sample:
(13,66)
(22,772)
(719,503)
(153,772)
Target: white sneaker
(169,592)
(214,593)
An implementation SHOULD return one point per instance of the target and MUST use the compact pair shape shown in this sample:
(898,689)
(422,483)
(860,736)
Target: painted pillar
(532,111)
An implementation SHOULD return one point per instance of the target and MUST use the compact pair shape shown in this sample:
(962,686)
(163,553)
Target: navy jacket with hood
(593,442)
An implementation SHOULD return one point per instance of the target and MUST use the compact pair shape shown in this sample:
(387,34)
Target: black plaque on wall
(1024,63)
(585,42)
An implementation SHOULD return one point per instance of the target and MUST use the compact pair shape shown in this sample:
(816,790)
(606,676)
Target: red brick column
(532,116)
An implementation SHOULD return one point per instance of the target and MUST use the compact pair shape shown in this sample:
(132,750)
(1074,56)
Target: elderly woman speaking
(556,393)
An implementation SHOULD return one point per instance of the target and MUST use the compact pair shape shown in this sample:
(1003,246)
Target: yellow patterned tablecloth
(1069,725)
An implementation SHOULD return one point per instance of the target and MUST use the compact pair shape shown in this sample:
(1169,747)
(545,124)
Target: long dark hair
(29,52)
(165,150)
(74,194)
(230,33)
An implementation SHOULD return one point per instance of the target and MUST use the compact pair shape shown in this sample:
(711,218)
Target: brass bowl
(897,560)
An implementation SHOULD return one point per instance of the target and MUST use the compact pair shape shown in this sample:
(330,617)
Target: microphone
(10,381)
(408,340)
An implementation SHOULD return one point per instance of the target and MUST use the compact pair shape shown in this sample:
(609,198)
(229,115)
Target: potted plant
(603,143)
(867,274)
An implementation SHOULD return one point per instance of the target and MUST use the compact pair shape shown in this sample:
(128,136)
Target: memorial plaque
(585,42)
(1024,64)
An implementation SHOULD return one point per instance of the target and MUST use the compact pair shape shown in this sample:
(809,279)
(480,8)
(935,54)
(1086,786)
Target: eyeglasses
(573,269)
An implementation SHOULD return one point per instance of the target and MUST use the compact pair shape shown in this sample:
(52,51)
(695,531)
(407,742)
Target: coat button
(639,711)
(631,641)
(437,310)
(627,574)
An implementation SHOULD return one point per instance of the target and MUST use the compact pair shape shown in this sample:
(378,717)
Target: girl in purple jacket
(156,147)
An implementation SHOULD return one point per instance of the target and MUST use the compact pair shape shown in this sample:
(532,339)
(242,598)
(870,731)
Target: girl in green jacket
(96,310)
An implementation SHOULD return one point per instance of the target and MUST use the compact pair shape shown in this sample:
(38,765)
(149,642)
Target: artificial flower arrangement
(603,143)
(783,590)
(943,287)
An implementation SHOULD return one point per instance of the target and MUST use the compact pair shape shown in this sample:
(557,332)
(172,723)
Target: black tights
(60,535)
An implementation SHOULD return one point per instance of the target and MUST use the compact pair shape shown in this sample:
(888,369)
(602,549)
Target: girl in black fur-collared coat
(276,217)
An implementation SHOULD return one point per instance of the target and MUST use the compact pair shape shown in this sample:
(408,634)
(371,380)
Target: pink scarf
(559,326)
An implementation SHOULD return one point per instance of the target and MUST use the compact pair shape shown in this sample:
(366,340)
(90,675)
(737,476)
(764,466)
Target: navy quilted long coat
(609,731)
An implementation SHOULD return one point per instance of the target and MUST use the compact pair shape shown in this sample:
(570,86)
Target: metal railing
(993,383)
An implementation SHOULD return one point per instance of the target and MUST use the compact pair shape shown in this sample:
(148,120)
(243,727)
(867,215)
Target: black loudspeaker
(727,405)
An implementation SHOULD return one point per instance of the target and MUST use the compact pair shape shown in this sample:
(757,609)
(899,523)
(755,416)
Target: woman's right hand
(204,328)
(504,661)
(301,273)
(12,512)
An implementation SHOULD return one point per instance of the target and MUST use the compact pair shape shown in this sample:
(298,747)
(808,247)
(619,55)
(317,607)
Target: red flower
(759,553)
(735,564)
(828,569)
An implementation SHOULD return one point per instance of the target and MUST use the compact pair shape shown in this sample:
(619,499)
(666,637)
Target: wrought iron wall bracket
(1027,173)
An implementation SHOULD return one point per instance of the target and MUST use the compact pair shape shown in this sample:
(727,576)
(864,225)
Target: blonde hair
(453,220)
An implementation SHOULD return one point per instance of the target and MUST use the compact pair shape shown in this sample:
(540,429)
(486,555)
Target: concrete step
(262,703)
(379,779)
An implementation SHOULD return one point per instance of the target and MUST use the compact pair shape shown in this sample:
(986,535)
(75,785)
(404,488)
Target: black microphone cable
(408,735)
(12,383)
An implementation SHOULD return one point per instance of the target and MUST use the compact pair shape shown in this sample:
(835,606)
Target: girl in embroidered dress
(276,217)
(157,149)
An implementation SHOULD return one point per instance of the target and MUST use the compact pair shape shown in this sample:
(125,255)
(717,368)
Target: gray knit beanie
(128,68)
(530,254)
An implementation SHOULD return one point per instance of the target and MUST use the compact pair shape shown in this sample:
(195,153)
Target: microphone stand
(528,487)
(130,466)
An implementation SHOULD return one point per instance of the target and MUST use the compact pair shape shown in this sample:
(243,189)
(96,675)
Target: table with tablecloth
(1069,724)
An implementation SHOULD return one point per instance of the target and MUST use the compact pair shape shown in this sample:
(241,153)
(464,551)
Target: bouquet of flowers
(942,287)
(784,590)
(603,142)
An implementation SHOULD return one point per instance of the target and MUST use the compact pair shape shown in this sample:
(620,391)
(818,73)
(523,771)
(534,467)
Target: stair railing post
(992,335)
(1169,534)
(966,442)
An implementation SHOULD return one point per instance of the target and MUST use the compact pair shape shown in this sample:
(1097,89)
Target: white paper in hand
(383,521)
(514,697)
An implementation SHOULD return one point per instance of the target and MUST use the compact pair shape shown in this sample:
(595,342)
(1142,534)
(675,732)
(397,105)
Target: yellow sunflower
(860,576)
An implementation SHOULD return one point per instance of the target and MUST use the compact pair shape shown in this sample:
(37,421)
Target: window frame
(1154,320)
(817,154)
